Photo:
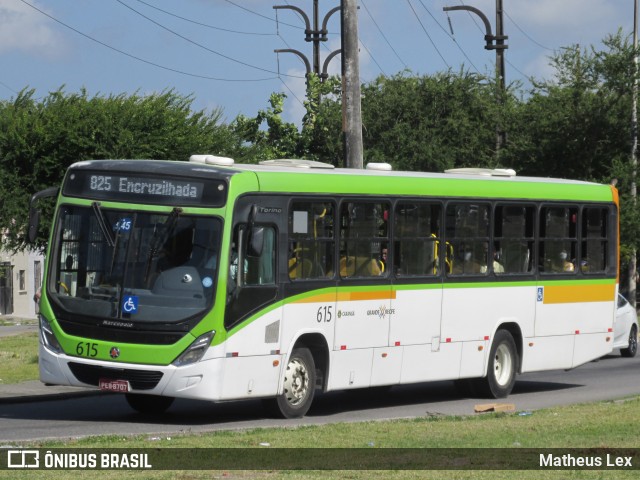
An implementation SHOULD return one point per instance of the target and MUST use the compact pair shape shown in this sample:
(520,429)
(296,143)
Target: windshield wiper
(102,222)
(160,236)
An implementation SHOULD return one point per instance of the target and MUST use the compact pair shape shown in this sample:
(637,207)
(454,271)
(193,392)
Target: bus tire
(502,367)
(632,349)
(299,386)
(148,404)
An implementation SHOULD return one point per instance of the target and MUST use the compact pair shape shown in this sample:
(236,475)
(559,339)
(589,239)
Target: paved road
(610,378)
(9,330)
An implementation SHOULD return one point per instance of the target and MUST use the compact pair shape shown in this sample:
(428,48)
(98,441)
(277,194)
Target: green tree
(576,124)
(424,123)
(321,127)
(39,139)
(266,136)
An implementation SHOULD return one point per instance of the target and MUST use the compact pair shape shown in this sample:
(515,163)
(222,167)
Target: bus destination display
(157,190)
(143,186)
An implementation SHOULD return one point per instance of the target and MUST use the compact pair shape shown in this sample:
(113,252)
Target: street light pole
(500,46)
(314,34)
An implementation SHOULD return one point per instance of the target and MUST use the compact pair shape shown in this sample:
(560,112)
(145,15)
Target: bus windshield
(134,266)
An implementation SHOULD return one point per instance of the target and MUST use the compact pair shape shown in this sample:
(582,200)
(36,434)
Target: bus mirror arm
(256,234)
(34,213)
(252,216)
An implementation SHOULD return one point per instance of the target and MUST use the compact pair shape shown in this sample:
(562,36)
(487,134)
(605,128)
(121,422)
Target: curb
(34,391)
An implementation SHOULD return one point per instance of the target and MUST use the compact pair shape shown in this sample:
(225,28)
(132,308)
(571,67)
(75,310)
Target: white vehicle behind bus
(625,328)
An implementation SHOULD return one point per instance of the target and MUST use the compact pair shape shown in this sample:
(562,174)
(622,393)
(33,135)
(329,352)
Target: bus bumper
(213,378)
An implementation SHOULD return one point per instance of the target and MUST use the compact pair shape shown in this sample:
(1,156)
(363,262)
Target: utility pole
(500,46)
(351,101)
(634,151)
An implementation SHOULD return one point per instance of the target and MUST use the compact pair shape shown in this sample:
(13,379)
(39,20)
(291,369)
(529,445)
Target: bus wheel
(299,386)
(149,404)
(501,371)
(632,349)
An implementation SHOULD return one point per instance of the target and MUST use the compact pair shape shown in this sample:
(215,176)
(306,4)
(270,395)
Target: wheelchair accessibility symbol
(130,304)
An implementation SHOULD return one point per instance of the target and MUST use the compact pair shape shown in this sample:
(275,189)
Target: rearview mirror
(256,241)
(34,213)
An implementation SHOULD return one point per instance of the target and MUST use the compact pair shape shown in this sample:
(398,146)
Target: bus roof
(278,178)
(351,181)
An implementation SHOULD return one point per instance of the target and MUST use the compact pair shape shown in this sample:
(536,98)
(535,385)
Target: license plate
(121,386)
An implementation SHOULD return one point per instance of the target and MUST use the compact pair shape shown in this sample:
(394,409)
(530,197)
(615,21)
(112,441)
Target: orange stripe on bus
(579,293)
(320,298)
(376,295)
(349,296)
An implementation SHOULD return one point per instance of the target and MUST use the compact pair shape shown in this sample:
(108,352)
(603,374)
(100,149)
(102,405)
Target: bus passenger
(382,261)
(567,265)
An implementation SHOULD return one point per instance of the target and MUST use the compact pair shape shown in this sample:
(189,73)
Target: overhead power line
(8,87)
(372,57)
(139,59)
(427,33)
(472,17)
(517,69)
(525,33)
(193,42)
(262,16)
(206,25)
(366,9)
(450,35)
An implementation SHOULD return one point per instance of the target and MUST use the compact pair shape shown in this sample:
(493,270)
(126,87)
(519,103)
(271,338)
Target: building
(20,278)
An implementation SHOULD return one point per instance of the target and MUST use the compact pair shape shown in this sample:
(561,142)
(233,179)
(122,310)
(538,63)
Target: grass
(8,321)
(598,425)
(18,358)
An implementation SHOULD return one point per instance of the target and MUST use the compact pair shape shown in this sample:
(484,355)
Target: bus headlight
(47,337)
(195,351)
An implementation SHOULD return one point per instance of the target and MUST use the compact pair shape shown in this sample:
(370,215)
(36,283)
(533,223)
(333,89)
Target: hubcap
(503,365)
(633,340)
(296,382)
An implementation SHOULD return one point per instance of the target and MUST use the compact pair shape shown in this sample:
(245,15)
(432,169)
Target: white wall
(23,305)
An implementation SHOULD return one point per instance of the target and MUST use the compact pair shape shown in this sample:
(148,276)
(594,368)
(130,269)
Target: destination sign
(145,189)
(144,186)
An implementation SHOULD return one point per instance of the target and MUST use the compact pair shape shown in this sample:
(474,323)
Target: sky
(221,52)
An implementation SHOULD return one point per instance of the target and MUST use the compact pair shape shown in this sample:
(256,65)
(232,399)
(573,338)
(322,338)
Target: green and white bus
(219,281)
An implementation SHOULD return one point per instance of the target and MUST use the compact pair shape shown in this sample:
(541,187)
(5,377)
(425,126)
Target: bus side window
(311,240)
(260,270)
(363,235)
(418,243)
(467,231)
(558,239)
(595,246)
(513,239)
